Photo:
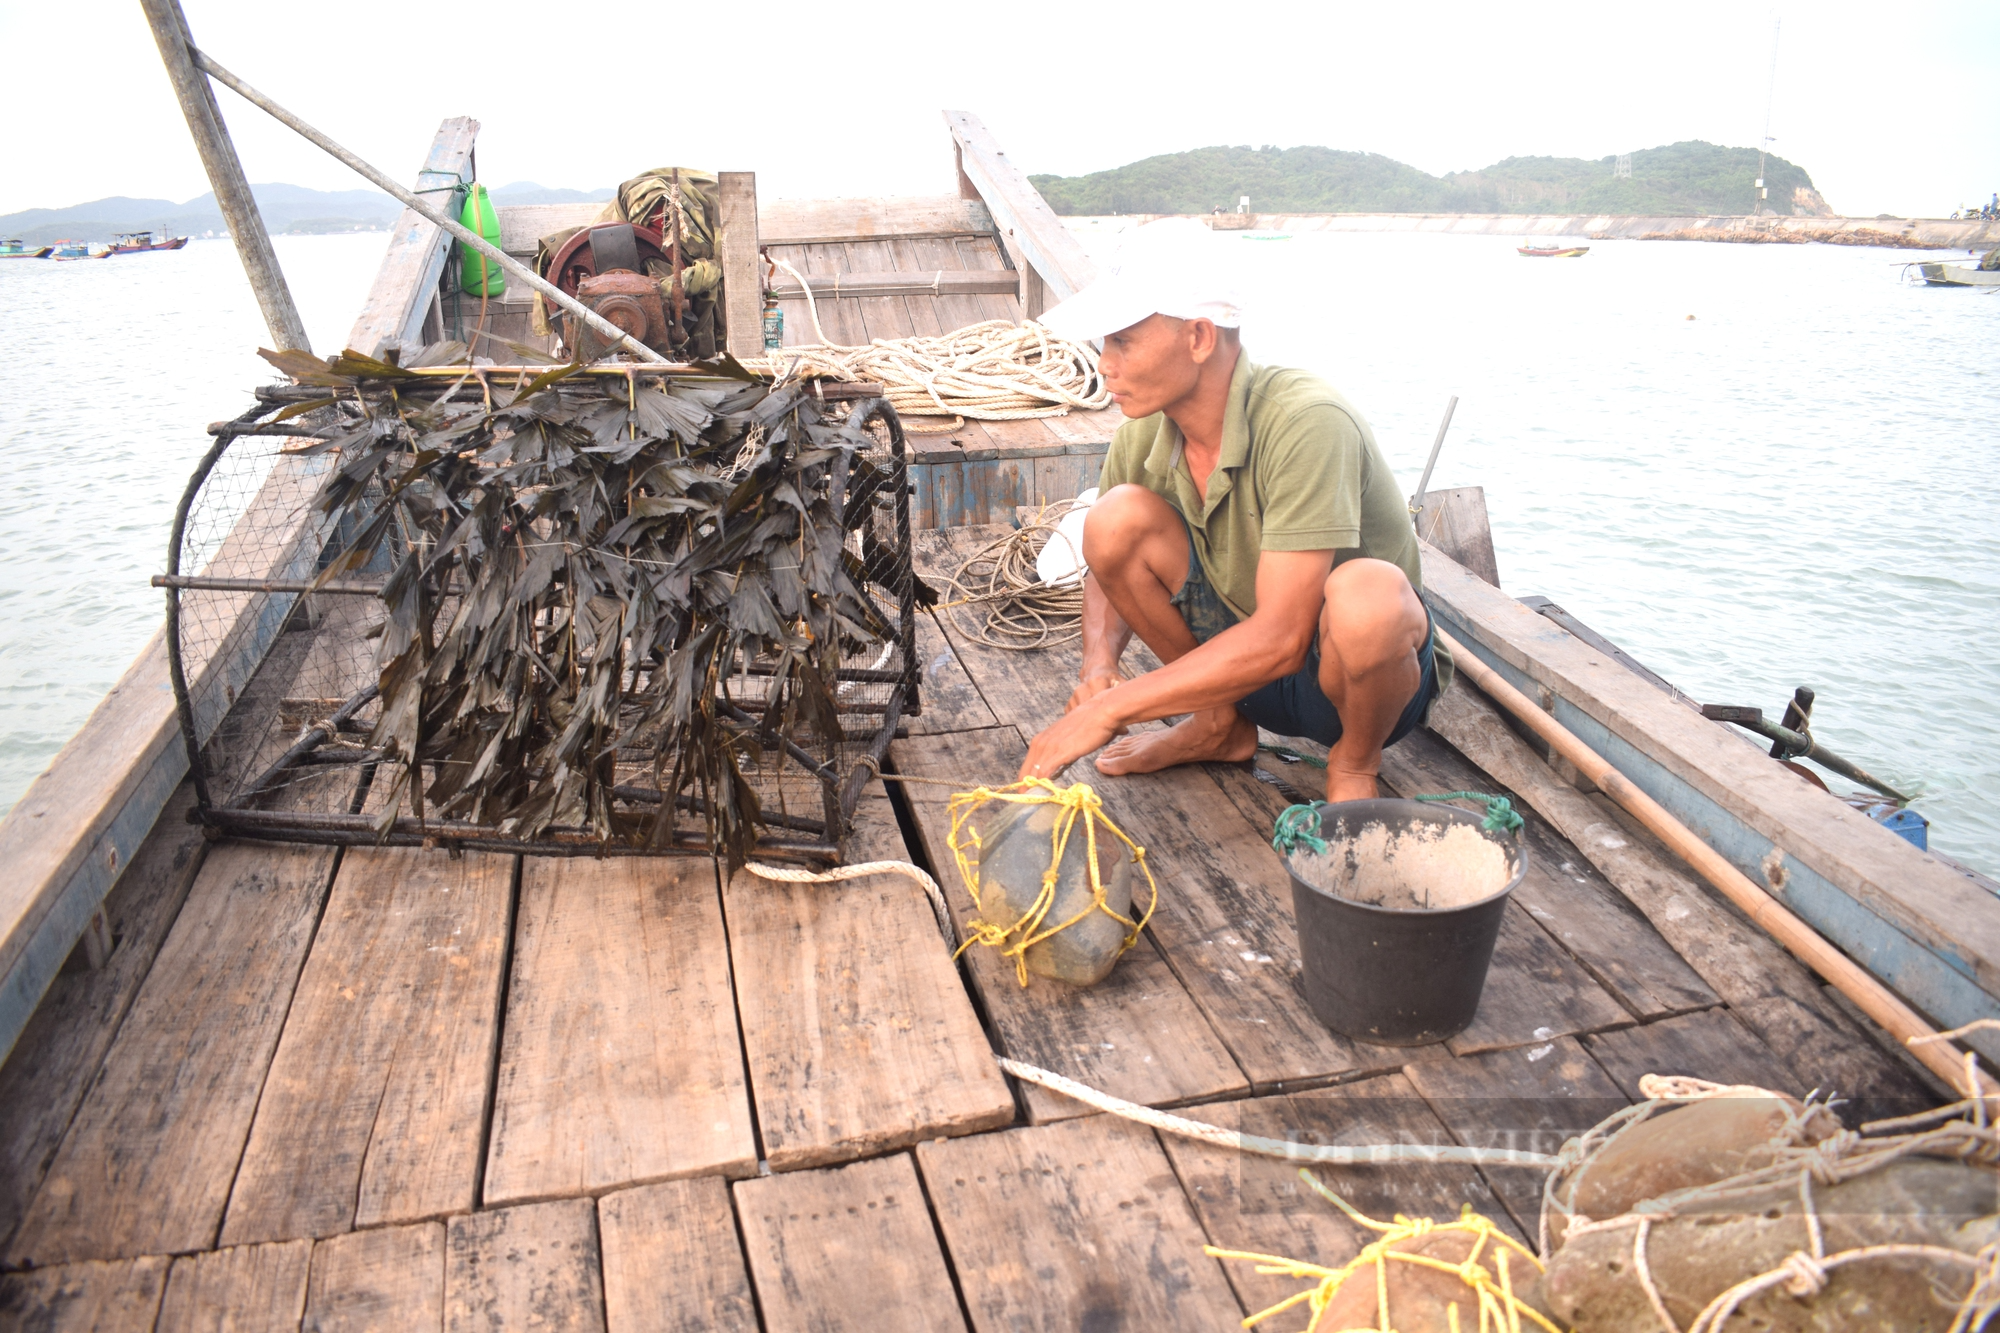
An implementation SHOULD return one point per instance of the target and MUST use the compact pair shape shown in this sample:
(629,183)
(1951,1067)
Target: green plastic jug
(478,274)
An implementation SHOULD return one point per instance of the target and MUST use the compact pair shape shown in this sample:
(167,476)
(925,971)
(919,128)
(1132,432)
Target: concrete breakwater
(1897,233)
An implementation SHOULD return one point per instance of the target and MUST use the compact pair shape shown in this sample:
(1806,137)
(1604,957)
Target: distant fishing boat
(1552,252)
(15,250)
(1959,275)
(75,250)
(132,243)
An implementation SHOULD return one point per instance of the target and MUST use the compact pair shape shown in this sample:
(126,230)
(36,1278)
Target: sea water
(1797,486)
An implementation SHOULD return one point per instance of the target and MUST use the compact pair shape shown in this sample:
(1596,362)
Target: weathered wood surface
(1710,1045)
(522,226)
(950,696)
(814,221)
(113,1296)
(376,1100)
(147,1164)
(1018,208)
(1260,1204)
(408,278)
(250,1286)
(672,1260)
(1136,1034)
(863,283)
(846,1248)
(58,1055)
(533,1267)
(1531,1098)
(742,271)
(859,1036)
(1916,923)
(1534,991)
(621,1061)
(387,1280)
(1454,520)
(1565,894)
(1764,986)
(1078,1225)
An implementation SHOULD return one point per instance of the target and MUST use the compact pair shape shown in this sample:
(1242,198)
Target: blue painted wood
(1937,982)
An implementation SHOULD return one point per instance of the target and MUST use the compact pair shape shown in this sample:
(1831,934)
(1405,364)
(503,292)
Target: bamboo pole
(1847,976)
(616,336)
(225,175)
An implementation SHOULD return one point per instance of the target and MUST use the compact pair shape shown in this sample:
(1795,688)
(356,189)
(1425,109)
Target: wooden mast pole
(225,174)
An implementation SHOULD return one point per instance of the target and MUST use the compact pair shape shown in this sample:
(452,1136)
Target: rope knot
(1805,1276)
(1297,824)
(1501,817)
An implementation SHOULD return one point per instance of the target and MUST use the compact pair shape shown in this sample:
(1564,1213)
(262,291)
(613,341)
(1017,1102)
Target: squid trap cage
(569,610)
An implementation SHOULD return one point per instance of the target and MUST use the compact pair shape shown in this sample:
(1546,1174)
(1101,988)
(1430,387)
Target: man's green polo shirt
(1299,471)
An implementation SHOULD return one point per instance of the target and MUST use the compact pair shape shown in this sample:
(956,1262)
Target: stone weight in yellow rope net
(1052,878)
(1416,1276)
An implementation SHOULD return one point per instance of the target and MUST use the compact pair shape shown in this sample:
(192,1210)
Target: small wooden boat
(1959,275)
(629,1093)
(137,242)
(1552,251)
(15,250)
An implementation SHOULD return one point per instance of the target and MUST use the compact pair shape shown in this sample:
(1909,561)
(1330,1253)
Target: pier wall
(1899,233)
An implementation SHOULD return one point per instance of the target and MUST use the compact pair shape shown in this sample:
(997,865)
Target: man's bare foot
(1215,734)
(1346,786)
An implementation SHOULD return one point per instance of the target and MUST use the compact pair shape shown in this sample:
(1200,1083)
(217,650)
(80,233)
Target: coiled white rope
(1369,1154)
(994,371)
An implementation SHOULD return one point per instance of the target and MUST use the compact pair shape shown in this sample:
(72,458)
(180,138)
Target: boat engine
(628,275)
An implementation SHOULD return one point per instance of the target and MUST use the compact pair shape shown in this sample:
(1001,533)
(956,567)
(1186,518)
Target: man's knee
(1118,525)
(1372,614)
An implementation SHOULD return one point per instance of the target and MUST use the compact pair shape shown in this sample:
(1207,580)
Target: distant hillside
(1683,179)
(527,192)
(285,208)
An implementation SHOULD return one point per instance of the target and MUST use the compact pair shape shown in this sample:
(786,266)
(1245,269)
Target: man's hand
(1081,730)
(1094,683)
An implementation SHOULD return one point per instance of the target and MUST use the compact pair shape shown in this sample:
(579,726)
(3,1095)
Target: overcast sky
(1891,109)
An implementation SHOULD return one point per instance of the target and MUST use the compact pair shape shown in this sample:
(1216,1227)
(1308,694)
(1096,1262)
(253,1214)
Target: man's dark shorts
(1294,705)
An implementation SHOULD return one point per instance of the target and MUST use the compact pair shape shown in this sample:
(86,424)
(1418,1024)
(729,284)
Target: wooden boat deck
(401,1090)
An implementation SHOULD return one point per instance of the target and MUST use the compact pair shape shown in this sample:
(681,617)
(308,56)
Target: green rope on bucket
(1501,817)
(1297,824)
(1290,755)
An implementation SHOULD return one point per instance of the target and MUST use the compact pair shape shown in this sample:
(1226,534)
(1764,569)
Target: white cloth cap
(1174,266)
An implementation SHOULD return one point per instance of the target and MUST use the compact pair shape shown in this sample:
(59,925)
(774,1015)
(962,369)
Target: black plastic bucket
(1406,975)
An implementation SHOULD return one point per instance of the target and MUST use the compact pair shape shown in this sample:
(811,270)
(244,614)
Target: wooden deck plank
(1079,1225)
(1765,987)
(533,1267)
(881,316)
(672,1260)
(950,697)
(1534,992)
(247,1287)
(51,1067)
(1566,895)
(1136,1034)
(1261,1205)
(376,1100)
(847,1248)
(1530,1099)
(621,1062)
(386,1280)
(147,1164)
(115,1296)
(859,1036)
(1710,1045)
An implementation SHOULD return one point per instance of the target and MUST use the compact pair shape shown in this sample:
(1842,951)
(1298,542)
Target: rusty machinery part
(614,268)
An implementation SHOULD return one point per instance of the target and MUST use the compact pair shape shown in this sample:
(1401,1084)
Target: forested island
(1677,180)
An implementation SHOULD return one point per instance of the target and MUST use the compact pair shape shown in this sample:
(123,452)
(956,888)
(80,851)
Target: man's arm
(1272,643)
(1105,638)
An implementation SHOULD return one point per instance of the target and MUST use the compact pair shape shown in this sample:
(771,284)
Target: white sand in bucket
(1425,868)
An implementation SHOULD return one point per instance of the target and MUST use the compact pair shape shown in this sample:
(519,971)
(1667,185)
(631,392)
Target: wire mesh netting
(544,609)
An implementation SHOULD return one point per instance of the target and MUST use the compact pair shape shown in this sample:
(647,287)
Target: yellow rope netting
(1078,805)
(1500,1311)
(995,371)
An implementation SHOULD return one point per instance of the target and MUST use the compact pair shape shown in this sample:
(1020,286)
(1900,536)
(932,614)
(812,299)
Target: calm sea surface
(1798,486)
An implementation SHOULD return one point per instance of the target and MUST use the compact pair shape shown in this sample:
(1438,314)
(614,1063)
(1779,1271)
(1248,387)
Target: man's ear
(1202,340)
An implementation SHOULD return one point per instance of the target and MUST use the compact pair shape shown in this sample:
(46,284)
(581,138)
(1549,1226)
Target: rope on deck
(993,371)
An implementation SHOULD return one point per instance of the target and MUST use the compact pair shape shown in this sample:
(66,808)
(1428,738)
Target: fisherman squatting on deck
(1249,531)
